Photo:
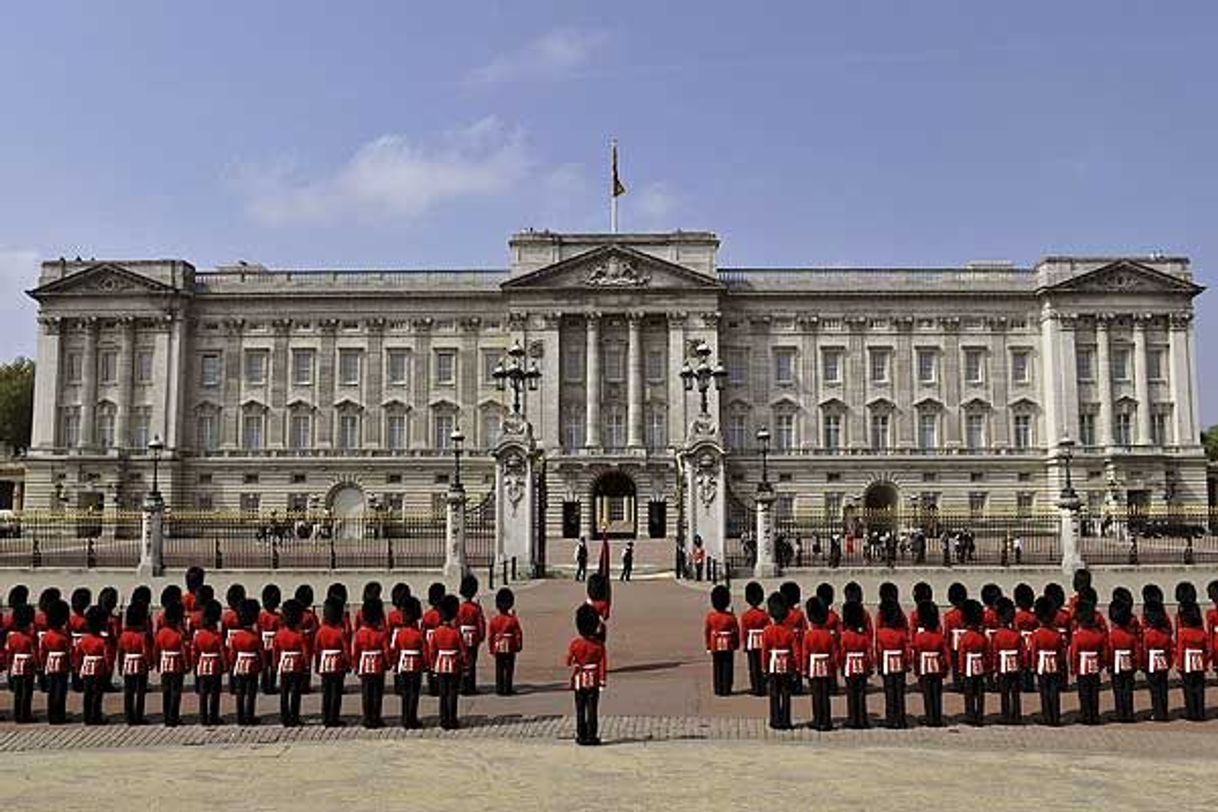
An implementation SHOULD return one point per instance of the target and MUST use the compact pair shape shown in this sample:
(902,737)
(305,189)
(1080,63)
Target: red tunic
(134,653)
(588,663)
(1211,624)
(973,649)
(408,649)
(290,651)
(953,628)
(721,632)
(929,652)
(797,622)
(430,622)
(21,649)
(780,653)
(245,652)
(330,650)
(207,651)
(55,652)
(1192,649)
(370,651)
(189,603)
(1047,651)
(268,624)
(93,653)
(1087,650)
(1157,649)
(752,624)
(891,650)
(1124,649)
(446,651)
(471,622)
(229,624)
(819,652)
(854,653)
(171,654)
(505,634)
(1008,654)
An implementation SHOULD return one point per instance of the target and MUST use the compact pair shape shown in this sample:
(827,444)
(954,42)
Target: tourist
(581,559)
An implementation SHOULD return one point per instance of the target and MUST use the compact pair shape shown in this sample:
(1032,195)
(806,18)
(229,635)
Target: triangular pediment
(1124,276)
(614,268)
(103,279)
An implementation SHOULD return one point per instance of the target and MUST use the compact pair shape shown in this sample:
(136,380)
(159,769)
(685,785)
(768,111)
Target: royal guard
(1192,659)
(55,661)
(953,627)
(1211,617)
(430,622)
(598,599)
(82,599)
(337,591)
(779,652)
(855,662)
(94,662)
(930,654)
(134,662)
(587,660)
(891,647)
(370,655)
(1063,621)
(191,600)
(854,592)
(309,624)
(1088,644)
(290,655)
(1151,593)
(107,599)
(245,659)
(172,593)
(372,591)
(1026,624)
(171,654)
(1124,654)
(21,649)
(752,625)
(208,656)
(824,591)
(1081,581)
(820,663)
(506,641)
(1047,650)
(888,591)
(922,592)
(471,622)
(230,624)
(798,624)
(447,652)
(393,621)
(1158,649)
(972,660)
(205,595)
(269,621)
(722,636)
(330,648)
(409,652)
(990,593)
(1008,657)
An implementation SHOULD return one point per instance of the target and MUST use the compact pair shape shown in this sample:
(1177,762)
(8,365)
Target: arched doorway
(614,506)
(880,503)
(347,505)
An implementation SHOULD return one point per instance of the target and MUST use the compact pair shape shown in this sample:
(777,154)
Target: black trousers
(332,699)
(698,571)
(932,698)
(94,691)
(723,671)
(505,670)
(246,686)
(894,700)
(269,676)
(1050,698)
(372,690)
(1192,685)
(1089,699)
(446,687)
(433,687)
(289,698)
(135,691)
(23,697)
(780,701)
(586,727)
(469,676)
(974,700)
(1122,695)
(581,570)
(627,569)
(171,699)
(822,714)
(756,675)
(1010,687)
(412,686)
(57,698)
(209,689)
(856,703)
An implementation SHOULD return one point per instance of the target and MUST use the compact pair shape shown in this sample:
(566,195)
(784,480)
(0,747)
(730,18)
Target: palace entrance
(614,506)
(347,506)
(880,503)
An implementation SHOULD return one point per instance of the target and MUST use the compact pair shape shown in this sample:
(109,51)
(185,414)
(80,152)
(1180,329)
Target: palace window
(1120,364)
(1122,427)
(655,431)
(927,365)
(255,367)
(1024,503)
(490,360)
(207,431)
(974,366)
(302,367)
(976,504)
(1158,428)
(784,431)
(831,366)
(928,430)
(253,421)
(108,366)
(395,430)
(784,366)
(572,363)
(615,428)
(143,366)
(397,367)
(974,431)
(72,367)
(735,434)
(1021,366)
(1022,425)
(141,427)
(573,432)
(1086,427)
(833,506)
(615,363)
(737,361)
(880,425)
(209,370)
(1084,362)
(300,431)
(443,423)
(879,365)
(492,426)
(1155,365)
(348,431)
(105,425)
(832,425)
(349,367)
(69,427)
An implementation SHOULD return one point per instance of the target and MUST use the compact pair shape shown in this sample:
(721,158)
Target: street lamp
(457,438)
(702,373)
(155,446)
(515,373)
(763,437)
(1066,449)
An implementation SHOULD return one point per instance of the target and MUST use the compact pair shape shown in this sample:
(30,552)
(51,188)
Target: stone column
(279,373)
(1141,384)
(765,566)
(126,358)
(230,384)
(1179,381)
(152,538)
(592,384)
(454,534)
(1049,367)
(952,374)
(46,385)
(327,361)
(634,382)
(904,392)
(88,386)
(1103,427)
(374,384)
(677,406)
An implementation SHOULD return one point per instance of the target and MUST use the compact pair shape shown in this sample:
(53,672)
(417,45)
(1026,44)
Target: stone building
(882,387)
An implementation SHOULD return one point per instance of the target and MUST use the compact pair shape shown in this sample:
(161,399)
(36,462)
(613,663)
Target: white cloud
(556,54)
(390,177)
(18,273)
(657,203)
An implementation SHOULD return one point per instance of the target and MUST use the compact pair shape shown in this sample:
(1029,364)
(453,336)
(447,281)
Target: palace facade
(278,389)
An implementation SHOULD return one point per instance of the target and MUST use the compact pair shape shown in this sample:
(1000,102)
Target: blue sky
(423,134)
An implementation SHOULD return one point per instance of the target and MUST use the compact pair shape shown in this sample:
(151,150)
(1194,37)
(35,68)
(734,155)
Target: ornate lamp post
(1066,445)
(457,438)
(763,437)
(516,374)
(702,373)
(155,447)
(1068,505)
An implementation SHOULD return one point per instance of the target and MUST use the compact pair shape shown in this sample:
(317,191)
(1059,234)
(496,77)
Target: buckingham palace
(277,389)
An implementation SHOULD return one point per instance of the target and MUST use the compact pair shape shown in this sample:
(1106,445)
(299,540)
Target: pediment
(1124,276)
(103,279)
(614,268)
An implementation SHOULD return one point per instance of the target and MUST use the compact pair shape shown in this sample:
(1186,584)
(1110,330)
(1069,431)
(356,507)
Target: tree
(16,403)
(1209,439)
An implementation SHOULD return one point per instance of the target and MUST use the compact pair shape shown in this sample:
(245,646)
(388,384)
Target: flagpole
(612,187)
